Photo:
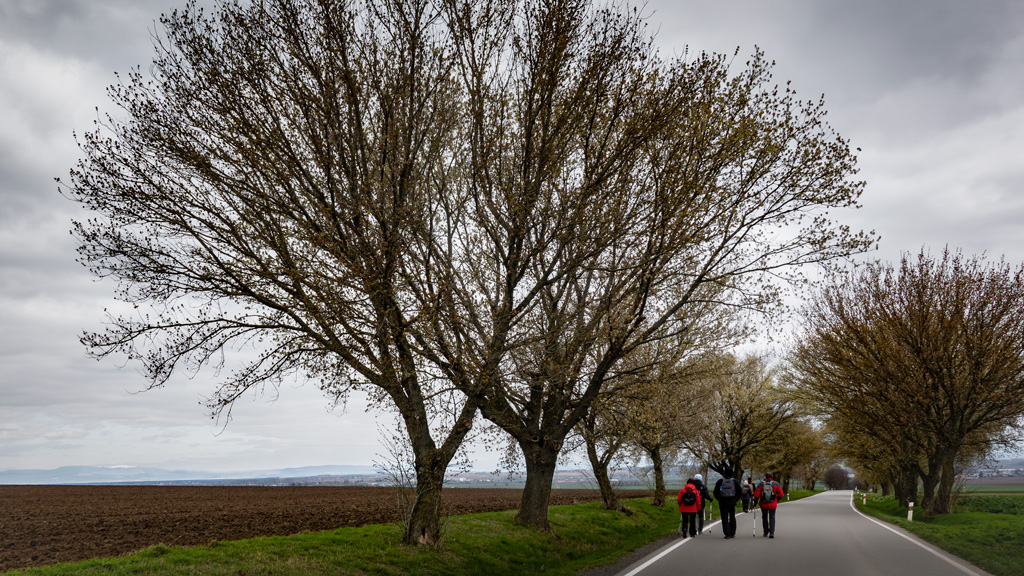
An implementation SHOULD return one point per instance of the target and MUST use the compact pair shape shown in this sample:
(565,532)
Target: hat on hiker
(698,477)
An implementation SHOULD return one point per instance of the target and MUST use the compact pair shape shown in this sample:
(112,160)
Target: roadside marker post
(910,513)
(864,499)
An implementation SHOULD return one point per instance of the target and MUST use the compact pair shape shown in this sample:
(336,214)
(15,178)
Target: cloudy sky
(932,91)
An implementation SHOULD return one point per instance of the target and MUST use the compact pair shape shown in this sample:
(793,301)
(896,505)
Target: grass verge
(993,541)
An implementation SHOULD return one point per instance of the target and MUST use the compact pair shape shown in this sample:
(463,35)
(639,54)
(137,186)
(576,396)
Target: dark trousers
(700,521)
(728,510)
(768,520)
(746,504)
(688,523)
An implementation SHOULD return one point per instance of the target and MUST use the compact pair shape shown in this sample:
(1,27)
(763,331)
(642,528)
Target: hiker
(768,494)
(705,498)
(727,491)
(746,493)
(689,505)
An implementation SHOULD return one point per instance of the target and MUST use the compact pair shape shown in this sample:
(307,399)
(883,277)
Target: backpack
(746,490)
(768,492)
(728,489)
(689,497)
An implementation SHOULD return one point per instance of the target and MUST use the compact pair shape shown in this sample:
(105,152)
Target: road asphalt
(821,535)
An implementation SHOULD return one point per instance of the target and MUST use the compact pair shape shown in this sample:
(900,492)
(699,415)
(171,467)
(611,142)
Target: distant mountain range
(132,474)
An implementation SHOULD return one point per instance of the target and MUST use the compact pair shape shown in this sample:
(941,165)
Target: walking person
(705,499)
(727,491)
(745,494)
(689,506)
(768,494)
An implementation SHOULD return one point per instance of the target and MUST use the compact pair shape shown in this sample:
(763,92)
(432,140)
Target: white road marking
(639,568)
(902,535)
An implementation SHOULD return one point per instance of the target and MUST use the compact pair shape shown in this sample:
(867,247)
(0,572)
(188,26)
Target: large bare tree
(682,181)
(927,355)
(272,186)
(452,204)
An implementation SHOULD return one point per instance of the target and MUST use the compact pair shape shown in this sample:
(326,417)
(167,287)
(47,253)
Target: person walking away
(767,495)
(745,494)
(689,507)
(705,499)
(727,491)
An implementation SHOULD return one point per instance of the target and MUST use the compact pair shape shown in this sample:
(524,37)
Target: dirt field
(42,525)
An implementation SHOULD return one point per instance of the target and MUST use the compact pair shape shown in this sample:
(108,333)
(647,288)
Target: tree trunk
(540,471)
(424,526)
(600,468)
(942,503)
(659,477)
(906,486)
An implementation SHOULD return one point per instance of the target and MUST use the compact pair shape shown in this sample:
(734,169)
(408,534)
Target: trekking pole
(711,513)
(753,529)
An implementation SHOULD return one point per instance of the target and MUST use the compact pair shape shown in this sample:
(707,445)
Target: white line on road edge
(639,568)
(902,535)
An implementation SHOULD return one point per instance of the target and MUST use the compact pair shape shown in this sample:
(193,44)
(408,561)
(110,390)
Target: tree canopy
(455,205)
(923,361)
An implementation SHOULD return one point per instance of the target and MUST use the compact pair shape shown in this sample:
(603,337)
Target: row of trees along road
(458,206)
(917,368)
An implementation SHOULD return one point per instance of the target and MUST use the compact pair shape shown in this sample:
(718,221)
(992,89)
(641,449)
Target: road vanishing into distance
(821,535)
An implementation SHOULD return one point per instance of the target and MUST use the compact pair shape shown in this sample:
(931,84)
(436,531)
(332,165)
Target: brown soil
(42,525)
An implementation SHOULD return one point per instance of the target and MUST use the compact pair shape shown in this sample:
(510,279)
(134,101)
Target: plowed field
(42,525)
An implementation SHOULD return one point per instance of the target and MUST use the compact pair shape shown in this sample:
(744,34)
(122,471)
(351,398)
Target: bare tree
(928,356)
(272,187)
(692,179)
(748,410)
(837,478)
(454,205)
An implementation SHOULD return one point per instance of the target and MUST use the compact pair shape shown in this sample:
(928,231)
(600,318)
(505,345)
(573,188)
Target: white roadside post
(910,513)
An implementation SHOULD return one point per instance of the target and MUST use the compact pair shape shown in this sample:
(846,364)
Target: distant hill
(137,474)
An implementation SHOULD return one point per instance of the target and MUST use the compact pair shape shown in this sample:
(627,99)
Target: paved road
(822,535)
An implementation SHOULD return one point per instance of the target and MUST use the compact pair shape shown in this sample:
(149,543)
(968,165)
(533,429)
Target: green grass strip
(993,541)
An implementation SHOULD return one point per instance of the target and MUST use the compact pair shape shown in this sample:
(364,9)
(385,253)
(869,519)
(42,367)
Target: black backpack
(768,492)
(689,497)
(728,489)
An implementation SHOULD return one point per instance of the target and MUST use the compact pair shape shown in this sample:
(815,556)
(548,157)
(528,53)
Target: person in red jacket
(689,506)
(767,495)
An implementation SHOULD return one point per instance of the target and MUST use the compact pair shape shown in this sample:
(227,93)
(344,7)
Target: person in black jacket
(727,492)
(705,499)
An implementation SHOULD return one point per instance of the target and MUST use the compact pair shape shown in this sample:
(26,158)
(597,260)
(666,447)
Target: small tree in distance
(837,478)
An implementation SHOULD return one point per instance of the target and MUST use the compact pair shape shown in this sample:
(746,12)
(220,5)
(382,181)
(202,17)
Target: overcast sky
(932,91)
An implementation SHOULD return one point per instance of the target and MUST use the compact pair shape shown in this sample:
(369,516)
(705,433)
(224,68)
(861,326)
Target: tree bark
(604,481)
(905,486)
(659,476)
(540,471)
(424,525)
(942,503)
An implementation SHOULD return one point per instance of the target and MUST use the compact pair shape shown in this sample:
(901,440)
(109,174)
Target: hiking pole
(711,513)
(753,529)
